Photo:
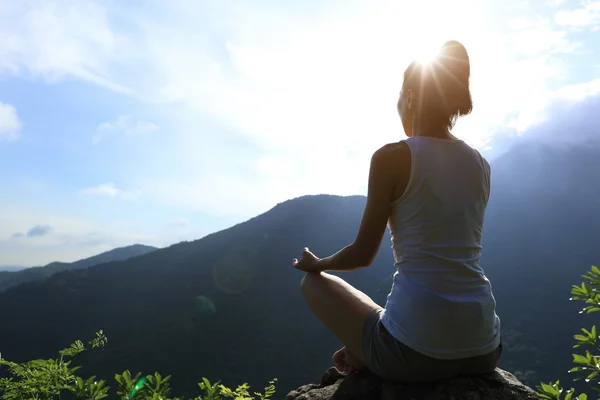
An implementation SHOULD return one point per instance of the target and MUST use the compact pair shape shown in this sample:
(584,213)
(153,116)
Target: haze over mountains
(12,276)
(11,268)
(228,306)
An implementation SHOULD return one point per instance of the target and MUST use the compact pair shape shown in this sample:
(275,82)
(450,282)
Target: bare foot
(339,360)
(353,361)
(345,362)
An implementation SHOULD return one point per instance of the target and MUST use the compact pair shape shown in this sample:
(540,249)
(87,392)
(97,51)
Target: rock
(499,385)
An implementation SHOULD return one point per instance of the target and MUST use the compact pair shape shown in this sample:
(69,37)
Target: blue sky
(156,121)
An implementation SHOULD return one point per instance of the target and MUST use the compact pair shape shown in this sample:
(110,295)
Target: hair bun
(442,87)
(453,55)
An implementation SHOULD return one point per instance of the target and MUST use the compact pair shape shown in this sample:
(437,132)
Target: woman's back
(441,303)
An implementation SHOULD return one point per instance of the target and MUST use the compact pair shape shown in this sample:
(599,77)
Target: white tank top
(441,303)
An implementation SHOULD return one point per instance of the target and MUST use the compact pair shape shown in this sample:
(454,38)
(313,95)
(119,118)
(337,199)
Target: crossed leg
(342,309)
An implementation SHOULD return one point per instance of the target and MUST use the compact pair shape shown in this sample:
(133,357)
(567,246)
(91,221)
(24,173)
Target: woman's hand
(308,262)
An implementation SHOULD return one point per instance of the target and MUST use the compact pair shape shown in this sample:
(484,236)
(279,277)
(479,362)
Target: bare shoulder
(392,154)
(390,167)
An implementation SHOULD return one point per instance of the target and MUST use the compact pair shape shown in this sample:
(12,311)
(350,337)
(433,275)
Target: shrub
(587,365)
(48,379)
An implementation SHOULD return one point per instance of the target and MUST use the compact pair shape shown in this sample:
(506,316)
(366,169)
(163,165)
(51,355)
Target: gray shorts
(390,359)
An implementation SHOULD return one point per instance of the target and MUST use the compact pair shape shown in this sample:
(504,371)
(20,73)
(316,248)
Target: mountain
(11,268)
(228,306)
(10,278)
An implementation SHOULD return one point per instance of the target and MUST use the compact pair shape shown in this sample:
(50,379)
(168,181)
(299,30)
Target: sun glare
(426,53)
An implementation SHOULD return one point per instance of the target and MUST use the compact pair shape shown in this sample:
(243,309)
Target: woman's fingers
(307,252)
(307,256)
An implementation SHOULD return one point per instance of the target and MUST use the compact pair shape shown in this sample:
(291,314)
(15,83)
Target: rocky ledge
(499,385)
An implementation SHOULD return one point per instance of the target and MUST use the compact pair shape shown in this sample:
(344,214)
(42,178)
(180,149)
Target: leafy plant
(47,379)
(91,389)
(587,365)
(128,386)
(212,391)
(241,393)
(156,385)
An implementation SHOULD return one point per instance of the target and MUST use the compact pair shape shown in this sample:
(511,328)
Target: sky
(155,122)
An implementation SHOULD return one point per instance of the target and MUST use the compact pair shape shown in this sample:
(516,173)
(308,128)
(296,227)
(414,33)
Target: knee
(309,281)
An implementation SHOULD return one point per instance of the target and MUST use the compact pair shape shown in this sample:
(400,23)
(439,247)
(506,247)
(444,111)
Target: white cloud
(577,92)
(105,189)
(313,101)
(109,189)
(586,16)
(126,125)
(71,238)
(333,77)
(566,96)
(57,40)
(326,76)
(541,37)
(228,194)
(10,126)
(556,3)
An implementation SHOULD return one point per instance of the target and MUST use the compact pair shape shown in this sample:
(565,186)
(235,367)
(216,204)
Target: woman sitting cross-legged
(431,190)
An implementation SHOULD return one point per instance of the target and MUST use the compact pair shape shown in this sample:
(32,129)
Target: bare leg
(342,308)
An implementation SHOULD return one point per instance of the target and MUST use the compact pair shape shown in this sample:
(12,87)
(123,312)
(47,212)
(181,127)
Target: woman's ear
(409,100)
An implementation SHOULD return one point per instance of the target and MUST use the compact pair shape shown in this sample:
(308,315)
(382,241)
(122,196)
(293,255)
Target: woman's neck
(431,130)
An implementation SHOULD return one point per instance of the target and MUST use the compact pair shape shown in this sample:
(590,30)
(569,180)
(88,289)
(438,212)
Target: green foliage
(554,391)
(47,379)
(241,393)
(587,365)
(211,391)
(91,389)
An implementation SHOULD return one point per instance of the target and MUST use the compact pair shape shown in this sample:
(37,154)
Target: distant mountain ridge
(10,278)
(11,268)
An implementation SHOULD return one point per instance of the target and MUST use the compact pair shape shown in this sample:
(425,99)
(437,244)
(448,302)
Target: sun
(426,51)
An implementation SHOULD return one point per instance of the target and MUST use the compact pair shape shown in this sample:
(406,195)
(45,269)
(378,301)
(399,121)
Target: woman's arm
(362,252)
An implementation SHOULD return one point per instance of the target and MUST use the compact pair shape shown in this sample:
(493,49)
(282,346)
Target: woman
(432,190)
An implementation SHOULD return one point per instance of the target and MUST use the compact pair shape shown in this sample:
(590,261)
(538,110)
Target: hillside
(10,278)
(218,307)
(228,306)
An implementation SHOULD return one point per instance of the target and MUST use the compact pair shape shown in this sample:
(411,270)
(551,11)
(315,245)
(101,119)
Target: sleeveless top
(441,303)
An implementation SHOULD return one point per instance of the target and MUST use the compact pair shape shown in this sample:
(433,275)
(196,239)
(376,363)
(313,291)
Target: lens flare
(136,388)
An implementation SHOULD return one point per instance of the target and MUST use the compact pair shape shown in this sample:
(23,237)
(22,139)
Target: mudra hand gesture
(308,262)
